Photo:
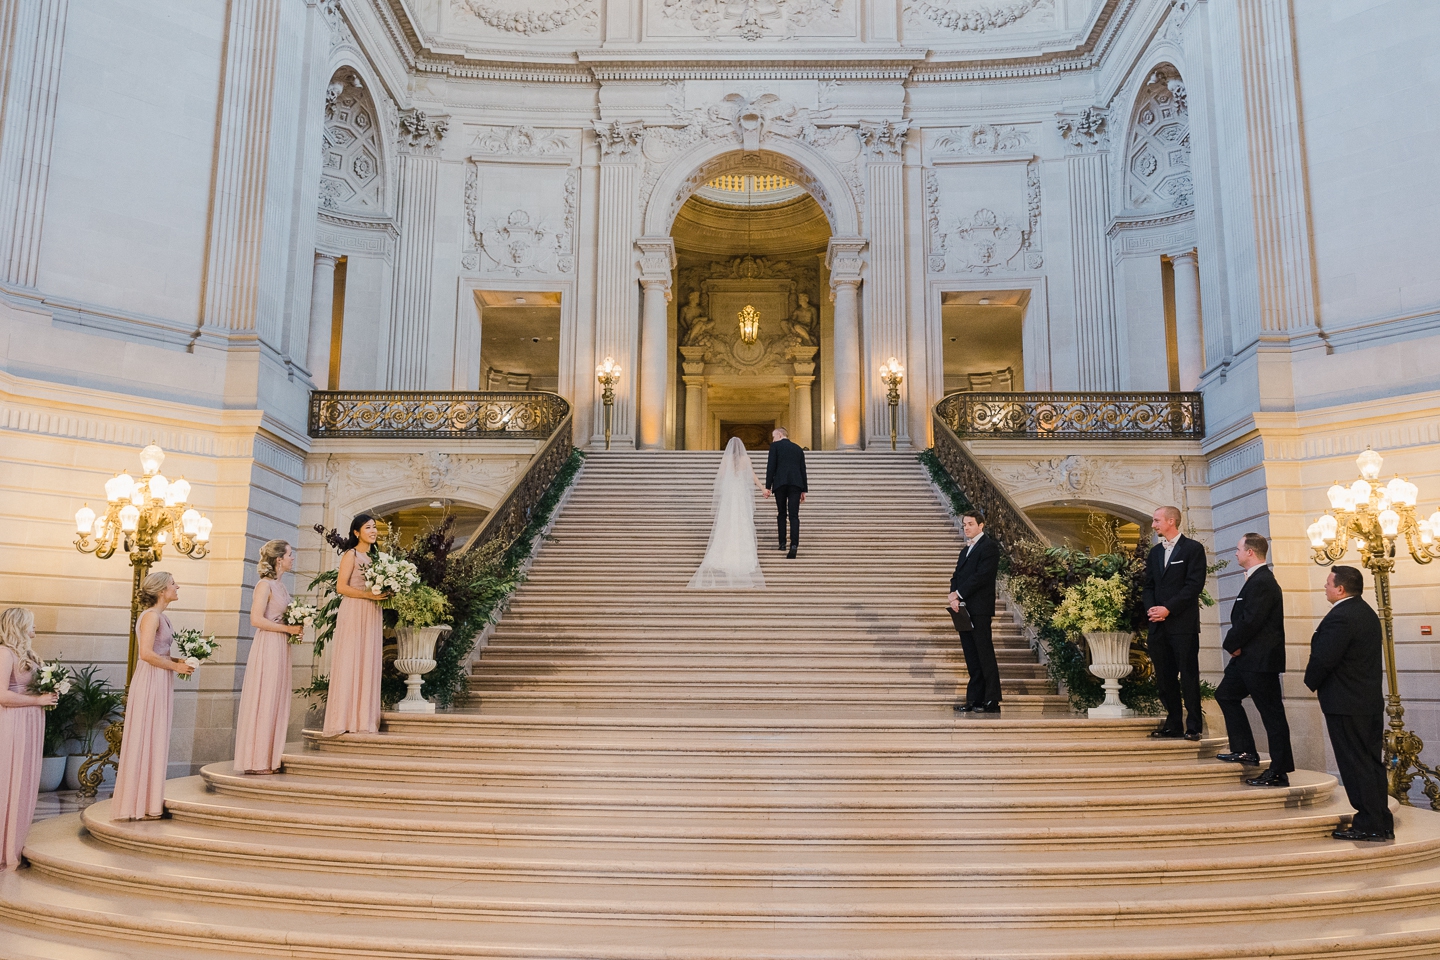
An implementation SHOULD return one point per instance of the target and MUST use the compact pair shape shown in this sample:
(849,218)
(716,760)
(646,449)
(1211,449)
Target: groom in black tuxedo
(785,479)
(972,590)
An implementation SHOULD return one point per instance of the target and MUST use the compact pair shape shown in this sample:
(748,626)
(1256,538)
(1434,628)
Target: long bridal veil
(731,560)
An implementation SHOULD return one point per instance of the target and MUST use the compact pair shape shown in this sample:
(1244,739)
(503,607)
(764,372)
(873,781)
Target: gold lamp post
(892,373)
(608,373)
(142,516)
(1372,517)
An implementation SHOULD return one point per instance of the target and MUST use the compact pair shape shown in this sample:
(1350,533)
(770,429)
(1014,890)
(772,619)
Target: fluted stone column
(885,313)
(615,326)
(1189,334)
(1087,137)
(694,375)
(322,307)
(657,259)
(843,258)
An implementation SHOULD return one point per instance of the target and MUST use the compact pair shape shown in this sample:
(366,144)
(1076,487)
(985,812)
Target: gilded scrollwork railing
(1004,520)
(512,515)
(1074,416)
(413,415)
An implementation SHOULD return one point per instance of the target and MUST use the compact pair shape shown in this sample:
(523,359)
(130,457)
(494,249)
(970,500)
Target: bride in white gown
(731,560)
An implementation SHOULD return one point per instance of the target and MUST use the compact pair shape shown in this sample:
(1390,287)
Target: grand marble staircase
(647,773)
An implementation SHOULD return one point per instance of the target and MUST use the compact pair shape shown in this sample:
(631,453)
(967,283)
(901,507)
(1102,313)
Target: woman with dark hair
(264,716)
(149,706)
(353,702)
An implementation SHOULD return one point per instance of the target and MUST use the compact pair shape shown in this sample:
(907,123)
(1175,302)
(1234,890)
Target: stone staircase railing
(1003,518)
(394,414)
(1074,416)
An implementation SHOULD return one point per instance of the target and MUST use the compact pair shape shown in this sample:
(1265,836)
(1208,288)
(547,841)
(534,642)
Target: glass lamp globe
(1389,522)
(1337,496)
(179,492)
(1328,527)
(1313,532)
(1360,492)
(1427,536)
(202,532)
(1435,523)
(84,520)
(129,518)
(1369,463)
(190,522)
(159,486)
(1409,494)
(151,458)
(119,487)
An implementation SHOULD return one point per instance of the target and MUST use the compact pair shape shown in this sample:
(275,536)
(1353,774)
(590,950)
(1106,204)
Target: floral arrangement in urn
(1096,604)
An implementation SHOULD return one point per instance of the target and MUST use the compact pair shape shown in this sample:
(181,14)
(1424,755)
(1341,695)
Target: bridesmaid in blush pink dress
(22,733)
(353,702)
(264,717)
(145,750)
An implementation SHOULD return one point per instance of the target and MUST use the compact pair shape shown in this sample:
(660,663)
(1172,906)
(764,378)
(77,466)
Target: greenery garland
(476,583)
(959,503)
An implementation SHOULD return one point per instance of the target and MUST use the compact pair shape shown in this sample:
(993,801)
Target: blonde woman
(353,703)
(22,733)
(145,751)
(264,716)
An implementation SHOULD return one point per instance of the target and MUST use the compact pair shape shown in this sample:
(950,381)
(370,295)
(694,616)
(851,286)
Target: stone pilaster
(657,261)
(32,41)
(885,313)
(322,307)
(417,137)
(1087,138)
(616,329)
(845,262)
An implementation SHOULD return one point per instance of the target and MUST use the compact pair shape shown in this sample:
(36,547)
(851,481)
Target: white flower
(63,688)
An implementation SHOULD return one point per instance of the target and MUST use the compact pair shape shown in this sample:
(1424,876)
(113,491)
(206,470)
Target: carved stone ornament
(1157,146)
(519,243)
(420,132)
(982,139)
(965,16)
(618,138)
(985,241)
(751,19)
(1114,480)
(522,141)
(1088,128)
(351,178)
(361,482)
(529,17)
(884,140)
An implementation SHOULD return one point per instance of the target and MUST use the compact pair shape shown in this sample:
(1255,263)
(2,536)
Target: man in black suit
(972,586)
(1345,666)
(1174,578)
(785,479)
(1256,644)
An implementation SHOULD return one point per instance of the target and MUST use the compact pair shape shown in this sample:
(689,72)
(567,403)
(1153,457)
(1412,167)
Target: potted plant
(1099,607)
(419,612)
(96,704)
(58,721)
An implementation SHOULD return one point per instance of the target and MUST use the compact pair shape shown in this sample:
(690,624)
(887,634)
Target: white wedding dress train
(732,561)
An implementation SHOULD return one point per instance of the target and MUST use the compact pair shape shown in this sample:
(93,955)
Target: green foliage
(60,724)
(1095,604)
(423,606)
(95,702)
(327,600)
(959,503)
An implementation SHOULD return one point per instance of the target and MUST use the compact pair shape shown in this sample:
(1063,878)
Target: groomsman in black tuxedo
(785,479)
(972,606)
(1345,666)
(1256,644)
(1174,578)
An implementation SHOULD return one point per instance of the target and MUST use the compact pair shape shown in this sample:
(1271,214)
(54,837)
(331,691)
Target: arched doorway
(750,247)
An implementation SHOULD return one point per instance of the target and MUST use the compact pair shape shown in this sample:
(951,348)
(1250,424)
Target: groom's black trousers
(979,649)
(787,504)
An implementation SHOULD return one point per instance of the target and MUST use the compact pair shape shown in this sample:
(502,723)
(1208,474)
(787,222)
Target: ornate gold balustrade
(1004,520)
(404,415)
(1074,416)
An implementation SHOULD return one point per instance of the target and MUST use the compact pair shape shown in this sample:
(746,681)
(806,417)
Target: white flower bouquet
(193,647)
(51,677)
(391,574)
(299,614)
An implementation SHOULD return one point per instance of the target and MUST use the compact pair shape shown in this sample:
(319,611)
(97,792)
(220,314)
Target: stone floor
(61,802)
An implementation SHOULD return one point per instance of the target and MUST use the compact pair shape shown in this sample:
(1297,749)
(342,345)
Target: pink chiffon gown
(264,718)
(22,739)
(145,750)
(353,703)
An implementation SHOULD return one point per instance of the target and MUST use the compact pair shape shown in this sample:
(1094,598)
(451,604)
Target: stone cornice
(709,63)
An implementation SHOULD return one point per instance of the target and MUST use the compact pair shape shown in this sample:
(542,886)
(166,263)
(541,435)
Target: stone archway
(806,164)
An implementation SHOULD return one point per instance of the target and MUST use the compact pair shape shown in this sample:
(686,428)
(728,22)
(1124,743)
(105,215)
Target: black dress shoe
(1163,734)
(992,706)
(963,707)
(1270,778)
(1249,759)
(782,546)
(1192,737)
(791,554)
(1373,836)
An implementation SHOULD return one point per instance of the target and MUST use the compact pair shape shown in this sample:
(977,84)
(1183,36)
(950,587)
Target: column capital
(323,259)
(1189,258)
(619,139)
(844,257)
(657,260)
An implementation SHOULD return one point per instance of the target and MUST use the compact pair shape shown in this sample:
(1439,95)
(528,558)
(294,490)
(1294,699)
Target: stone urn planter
(1110,660)
(415,657)
(52,773)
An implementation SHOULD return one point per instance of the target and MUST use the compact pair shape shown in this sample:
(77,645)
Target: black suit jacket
(974,576)
(786,466)
(1257,625)
(1346,659)
(1176,587)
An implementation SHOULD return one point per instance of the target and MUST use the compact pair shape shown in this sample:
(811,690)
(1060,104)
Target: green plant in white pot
(96,704)
(420,611)
(1100,609)
(58,721)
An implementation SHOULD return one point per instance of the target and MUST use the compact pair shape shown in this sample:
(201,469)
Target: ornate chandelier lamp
(1372,517)
(143,516)
(892,374)
(608,374)
(749,317)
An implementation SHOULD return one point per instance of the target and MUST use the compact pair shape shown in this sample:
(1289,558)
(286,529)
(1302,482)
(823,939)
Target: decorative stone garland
(520,19)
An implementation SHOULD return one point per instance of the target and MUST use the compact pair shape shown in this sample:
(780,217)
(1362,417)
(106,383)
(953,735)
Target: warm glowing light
(160,488)
(891,370)
(84,520)
(749,324)
(1427,536)
(203,533)
(1389,522)
(609,370)
(1369,463)
(179,492)
(129,518)
(1435,523)
(1338,496)
(1360,492)
(119,487)
(151,458)
(190,522)
(1317,539)
(1328,527)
